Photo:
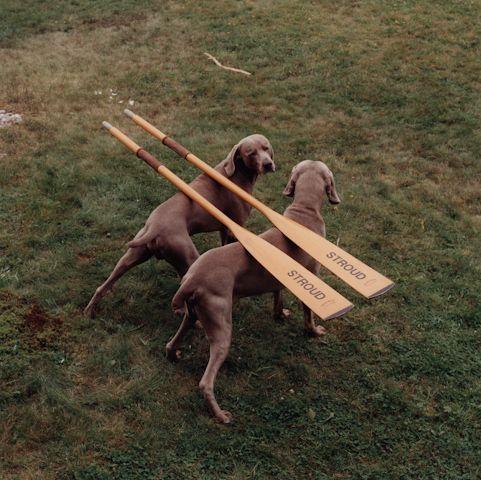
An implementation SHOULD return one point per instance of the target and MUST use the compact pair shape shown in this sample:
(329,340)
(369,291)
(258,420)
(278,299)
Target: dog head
(317,175)
(256,154)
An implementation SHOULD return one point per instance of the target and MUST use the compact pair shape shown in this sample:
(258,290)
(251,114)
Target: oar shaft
(165,172)
(189,156)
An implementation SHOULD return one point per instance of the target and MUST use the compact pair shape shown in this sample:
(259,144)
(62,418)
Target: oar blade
(323,300)
(358,275)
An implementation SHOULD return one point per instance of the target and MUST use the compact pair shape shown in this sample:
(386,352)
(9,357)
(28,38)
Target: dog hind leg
(180,252)
(172,348)
(216,317)
(134,256)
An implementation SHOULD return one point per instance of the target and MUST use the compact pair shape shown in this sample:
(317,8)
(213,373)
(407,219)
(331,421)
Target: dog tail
(143,237)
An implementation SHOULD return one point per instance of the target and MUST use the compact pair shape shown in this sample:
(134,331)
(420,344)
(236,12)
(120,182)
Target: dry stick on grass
(237,70)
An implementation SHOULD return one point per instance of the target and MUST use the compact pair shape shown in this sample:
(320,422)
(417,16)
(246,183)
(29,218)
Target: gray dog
(166,233)
(223,274)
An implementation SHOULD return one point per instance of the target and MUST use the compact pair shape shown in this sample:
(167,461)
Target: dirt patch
(83,258)
(37,321)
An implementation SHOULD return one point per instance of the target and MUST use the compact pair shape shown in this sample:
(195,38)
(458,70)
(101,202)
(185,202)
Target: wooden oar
(355,273)
(318,296)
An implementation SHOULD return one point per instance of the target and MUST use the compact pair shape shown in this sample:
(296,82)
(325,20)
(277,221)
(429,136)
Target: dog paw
(317,331)
(174,355)
(225,417)
(282,315)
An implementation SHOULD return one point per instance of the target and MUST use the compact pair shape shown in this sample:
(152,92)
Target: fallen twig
(237,70)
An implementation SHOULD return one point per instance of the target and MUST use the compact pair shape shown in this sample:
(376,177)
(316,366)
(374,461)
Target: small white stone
(7,118)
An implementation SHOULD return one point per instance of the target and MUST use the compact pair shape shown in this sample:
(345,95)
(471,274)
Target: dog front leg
(309,323)
(280,313)
(226,237)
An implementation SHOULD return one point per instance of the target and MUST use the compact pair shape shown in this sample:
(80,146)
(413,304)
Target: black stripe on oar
(176,147)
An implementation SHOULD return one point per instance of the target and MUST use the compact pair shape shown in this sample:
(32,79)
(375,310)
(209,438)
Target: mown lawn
(386,93)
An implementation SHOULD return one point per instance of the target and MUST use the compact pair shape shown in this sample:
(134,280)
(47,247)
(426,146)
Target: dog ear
(331,191)
(229,162)
(291,184)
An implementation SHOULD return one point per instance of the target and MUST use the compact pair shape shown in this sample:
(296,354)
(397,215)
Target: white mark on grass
(9,118)
(329,417)
(111,94)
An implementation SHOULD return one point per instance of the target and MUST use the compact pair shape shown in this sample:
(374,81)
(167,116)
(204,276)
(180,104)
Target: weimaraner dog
(166,233)
(226,273)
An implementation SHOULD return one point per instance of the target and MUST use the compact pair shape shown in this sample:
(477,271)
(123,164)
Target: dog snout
(268,166)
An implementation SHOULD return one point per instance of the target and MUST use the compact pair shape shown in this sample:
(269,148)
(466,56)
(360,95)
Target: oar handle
(184,153)
(115,132)
(169,175)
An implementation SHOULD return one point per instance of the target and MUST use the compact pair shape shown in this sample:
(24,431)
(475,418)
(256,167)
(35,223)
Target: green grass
(386,93)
